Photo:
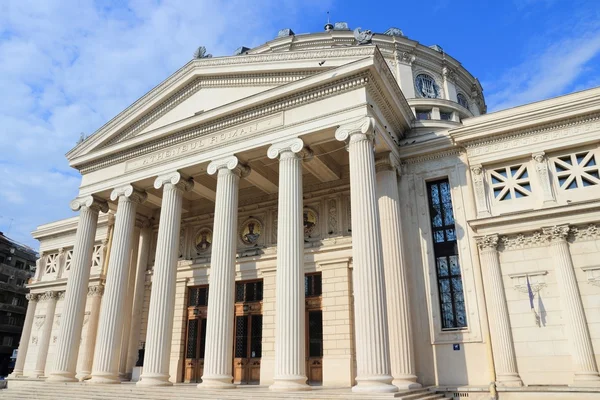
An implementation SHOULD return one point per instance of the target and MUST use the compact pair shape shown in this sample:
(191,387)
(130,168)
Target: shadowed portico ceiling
(283,81)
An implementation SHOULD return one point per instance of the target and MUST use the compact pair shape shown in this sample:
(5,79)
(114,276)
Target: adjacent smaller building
(17,266)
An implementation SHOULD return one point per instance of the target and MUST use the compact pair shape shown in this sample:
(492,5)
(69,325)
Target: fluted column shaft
(582,352)
(162,299)
(25,335)
(69,338)
(138,297)
(94,296)
(370,309)
(49,298)
(219,331)
(110,328)
(127,309)
(505,360)
(402,361)
(290,361)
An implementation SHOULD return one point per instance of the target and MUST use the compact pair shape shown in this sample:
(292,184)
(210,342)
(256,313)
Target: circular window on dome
(462,100)
(426,86)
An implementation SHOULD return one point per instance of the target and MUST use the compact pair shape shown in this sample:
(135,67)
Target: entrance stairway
(128,391)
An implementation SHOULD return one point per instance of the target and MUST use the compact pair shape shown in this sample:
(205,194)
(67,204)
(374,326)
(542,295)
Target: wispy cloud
(68,66)
(552,71)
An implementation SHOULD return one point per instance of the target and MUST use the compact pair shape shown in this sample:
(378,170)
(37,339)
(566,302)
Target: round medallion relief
(250,231)
(310,218)
(203,240)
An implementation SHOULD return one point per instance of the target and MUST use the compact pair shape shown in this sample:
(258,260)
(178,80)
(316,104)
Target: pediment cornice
(221,71)
(371,73)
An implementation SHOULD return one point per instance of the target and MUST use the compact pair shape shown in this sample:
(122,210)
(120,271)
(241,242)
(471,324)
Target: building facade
(329,209)
(17,266)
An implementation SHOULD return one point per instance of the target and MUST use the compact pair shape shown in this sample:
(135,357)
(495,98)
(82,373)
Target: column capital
(32,297)
(231,163)
(176,179)
(477,169)
(386,162)
(295,146)
(92,202)
(539,157)
(49,295)
(557,233)
(128,191)
(97,290)
(488,242)
(364,127)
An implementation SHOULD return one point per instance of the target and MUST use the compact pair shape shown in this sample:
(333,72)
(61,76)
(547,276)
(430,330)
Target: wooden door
(247,349)
(314,329)
(195,335)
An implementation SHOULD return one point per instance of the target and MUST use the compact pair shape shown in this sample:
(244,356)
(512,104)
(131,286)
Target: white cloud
(552,71)
(69,66)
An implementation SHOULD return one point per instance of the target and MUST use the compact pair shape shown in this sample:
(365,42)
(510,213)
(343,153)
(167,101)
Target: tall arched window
(462,100)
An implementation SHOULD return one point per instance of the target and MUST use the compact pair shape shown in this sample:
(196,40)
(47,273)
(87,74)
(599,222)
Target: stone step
(79,391)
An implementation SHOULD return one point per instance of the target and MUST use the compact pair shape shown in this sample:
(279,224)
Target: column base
(217,382)
(290,384)
(509,380)
(406,382)
(37,375)
(150,379)
(586,379)
(62,376)
(83,376)
(374,384)
(103,378)
(15,375)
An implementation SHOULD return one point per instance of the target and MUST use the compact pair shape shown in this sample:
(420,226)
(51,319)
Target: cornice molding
(272,107)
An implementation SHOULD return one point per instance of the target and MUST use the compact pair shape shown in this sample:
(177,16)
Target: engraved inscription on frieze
(203,143)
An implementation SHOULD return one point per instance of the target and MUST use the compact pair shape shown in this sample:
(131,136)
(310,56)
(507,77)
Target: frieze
(589,232)
(522,241)
(527,137)
(204,143)
(295,100)
(544,236)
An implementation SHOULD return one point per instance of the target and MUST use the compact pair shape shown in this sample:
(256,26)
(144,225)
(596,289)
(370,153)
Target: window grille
(510,182)
(449,277)
(51,263)
(68,260)
(312,285)
(577,170)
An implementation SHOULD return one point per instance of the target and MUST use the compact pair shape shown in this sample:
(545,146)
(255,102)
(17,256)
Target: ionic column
(584,363)
(110,327)
(505,361)
(127,308)
(290,361)
(49,298)
(138,297)
(402,359)
(162,299)
(94,296)
(32,300)
(219,330)
(372,344)
(69,338)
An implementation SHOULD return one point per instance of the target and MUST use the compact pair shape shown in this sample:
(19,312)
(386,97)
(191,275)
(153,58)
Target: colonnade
(374,206)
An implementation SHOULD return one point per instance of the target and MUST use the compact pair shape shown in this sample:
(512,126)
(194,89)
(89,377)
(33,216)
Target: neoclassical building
(333,209)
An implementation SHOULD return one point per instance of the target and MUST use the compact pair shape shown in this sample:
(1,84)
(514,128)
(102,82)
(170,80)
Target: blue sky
(68,66)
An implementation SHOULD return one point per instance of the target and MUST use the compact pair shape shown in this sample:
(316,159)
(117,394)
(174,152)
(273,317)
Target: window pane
(239,292)
(442,265)
(241,337)
(203,337)
(192,338)
(256,340)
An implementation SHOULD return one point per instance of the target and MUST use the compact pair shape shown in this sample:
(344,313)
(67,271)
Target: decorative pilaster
(402,359)
(501,334)
(94,296)
(219,330)
(477,175)
(32,300)
(127,309)
(162,299)
(372,343)
(584,362)
(69,338)
(541,166)
(49,298)
(290,362)
(138,297)
(110,328)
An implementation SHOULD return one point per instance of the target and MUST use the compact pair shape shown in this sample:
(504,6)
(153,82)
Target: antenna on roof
(328,25)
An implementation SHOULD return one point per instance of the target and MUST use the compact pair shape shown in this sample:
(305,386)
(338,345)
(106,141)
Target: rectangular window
(7,341)
(423,114)
(315,334)
(198,296)
(248,291)
(20,264)
(2,259)
(445,249)
(312,285)
(445,116)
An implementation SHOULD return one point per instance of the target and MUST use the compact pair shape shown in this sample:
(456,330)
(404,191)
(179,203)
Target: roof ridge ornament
(201,53)
(363,37)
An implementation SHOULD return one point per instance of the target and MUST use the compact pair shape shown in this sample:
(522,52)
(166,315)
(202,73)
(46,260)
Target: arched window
(426,86)
(462,100)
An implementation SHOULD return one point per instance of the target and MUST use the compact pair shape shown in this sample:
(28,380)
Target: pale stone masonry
(360,222)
